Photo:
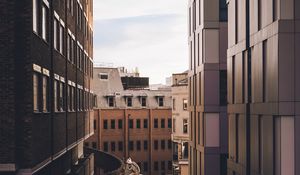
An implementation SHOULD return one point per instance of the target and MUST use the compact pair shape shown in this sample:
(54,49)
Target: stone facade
(180,118)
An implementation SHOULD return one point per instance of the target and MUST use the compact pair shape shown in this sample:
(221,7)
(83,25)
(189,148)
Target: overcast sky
(148,34)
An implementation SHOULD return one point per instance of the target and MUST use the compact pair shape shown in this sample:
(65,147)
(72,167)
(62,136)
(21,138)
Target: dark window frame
(156,123)
(105,124)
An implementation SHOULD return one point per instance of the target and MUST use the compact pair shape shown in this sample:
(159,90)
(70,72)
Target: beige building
(180,117)
(207,87)
(263,87)
(132,120)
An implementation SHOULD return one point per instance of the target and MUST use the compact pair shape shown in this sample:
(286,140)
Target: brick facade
(43,142)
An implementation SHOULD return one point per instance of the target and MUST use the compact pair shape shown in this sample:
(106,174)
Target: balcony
(104,163)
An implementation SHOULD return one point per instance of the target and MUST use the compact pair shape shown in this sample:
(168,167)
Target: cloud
(155,42)
(107,9)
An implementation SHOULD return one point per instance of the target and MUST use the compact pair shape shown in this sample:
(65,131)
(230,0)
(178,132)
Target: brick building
(46,113)
(207,87)
(132,121)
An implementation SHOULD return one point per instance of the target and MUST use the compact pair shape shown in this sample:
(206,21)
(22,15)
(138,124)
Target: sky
(148,34)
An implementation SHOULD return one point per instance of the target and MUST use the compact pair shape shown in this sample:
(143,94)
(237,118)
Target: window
(138,123)
(35,16)
(185,104)
(45,94)
(111,101)
(162,144)
(185,150)
(69,97)
(264,72)
(174,103)
(55,31)
(94,145)
(45,22)
(113,146)
(185,126)
(174,124)
(79,100)
(120,123)
(71,6)
(143,101)
(105,146)
(129,101)
(156,123)
(56,101)
(223,10)
(95,124)
(61,38)
(160,101)
(112,124)
(73,50)
(36,95)
(145,123)
(73,98)
(120,146)
(40,18)
(130,123)
(78,50)
(162,123)
(169,165)
(223,87)
(162,164)
(169,123)
(103,76)
(145,166)
(69,47)
(275,10)
(145,145)
(131,146)
(61,96)
(259,16)
(105,124)
(156,144)
(94,101)
(169,144)
(138,145)
(155,166)
(237,21)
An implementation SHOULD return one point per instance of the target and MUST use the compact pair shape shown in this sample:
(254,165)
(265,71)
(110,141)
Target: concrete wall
(262,82)
(207,78)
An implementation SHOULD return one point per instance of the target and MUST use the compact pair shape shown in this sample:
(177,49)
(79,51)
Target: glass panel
(34,16)
(35,93)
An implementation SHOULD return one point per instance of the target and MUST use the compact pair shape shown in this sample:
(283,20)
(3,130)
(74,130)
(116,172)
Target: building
(45,87)
(132,121)
(207,87)
(180,118)
(263,87)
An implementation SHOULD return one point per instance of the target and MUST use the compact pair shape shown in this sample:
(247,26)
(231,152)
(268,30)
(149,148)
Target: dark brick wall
(59,133)
(28,138)
(7,80)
